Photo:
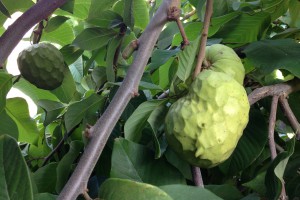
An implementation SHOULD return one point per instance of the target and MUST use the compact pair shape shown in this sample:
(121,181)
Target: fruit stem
(197,176)
(203,40)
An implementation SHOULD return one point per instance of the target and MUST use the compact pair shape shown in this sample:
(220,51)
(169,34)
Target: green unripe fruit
(204,126)
(223,59)
(42,65)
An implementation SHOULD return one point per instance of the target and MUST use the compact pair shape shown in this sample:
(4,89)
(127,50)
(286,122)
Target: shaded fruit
(42,65)
(204,126)
(223,59)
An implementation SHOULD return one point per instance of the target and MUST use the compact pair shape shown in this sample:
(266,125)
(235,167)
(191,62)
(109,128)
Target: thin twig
(58,146)
(189,14)
(277,89)
(203,40)
(104,126)
(165,94)
(272,121)
(197,177)
(279,148)
(284,104)
(174,15)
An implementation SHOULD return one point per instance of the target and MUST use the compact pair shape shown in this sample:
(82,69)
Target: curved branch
(272,90)
(103,127)
(272,121)
(14,33)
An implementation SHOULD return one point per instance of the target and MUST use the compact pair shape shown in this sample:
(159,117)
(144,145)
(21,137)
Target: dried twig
(272,121)
(201,56)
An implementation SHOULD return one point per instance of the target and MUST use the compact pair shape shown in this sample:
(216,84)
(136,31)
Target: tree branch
(278,89)
(201,56)
(14,33)
(272,121)
(103,127)
(290,115)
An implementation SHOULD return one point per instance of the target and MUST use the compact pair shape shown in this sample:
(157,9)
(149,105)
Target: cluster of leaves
(136,157)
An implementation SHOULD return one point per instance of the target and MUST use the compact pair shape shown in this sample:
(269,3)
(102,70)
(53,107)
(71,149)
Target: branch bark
(14,33)
(207,17)
(278,89)
(272,121)
(103,127)
(197,176)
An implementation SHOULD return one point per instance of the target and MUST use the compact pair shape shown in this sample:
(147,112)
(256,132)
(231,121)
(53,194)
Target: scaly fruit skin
(204,126)
(223,59)
(42,65)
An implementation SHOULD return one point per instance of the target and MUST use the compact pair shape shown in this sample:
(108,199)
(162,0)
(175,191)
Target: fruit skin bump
(42,65)
(204,126)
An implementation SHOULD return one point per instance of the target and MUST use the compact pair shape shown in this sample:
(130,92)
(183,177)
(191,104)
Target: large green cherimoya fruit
(223,59)
(42,65)
(204,126)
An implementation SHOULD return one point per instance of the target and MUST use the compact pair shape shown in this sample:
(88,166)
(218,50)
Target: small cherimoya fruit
(42,65)
(223,59)
(204,126)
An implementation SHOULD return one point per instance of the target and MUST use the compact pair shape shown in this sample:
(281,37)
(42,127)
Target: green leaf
(268,55)
(161,75)
(71,53)
(65,165)
(156,121)
(186,60)
(111,51)
(245,28)
(77,70)
(65,93)
(116,189)
(98,6)
(140,13)
(135,162)
(5,85)
(105,19)
(62,35)
(138,120)
(128,13)
(166,36)
(250,145)
(52,109)
(257,184)
(226,192)
(55,22)
(183,166)
(274,175)
(4,10)
(78,110)
(160,57)
(8,125)
(33,92)
(45,196)
(14,176)
(45,178)
(69,6)
(17,109)
(294,13)
(184,192)
(93,38)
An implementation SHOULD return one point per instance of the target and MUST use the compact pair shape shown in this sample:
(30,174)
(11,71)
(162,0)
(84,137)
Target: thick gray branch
(12,36)
(104,126)
(272,90)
